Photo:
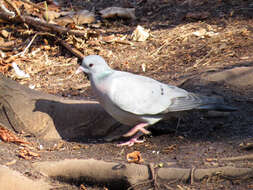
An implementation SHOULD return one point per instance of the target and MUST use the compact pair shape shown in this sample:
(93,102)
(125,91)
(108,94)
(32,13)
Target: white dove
(140,101)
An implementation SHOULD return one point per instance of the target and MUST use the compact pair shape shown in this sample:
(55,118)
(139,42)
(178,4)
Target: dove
(140,101)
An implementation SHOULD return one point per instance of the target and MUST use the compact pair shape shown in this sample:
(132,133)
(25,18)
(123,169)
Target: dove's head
(93,64)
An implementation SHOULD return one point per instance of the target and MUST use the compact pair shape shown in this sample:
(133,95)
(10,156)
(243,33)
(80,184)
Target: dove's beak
(80,69)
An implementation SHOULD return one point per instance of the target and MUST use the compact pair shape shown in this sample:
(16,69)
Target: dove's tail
(217,107)
(198,102)
(214,103)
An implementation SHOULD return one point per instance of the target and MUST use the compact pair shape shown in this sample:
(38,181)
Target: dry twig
(10,3)
(71,49)
(34,5)
(238,158)
(39,24)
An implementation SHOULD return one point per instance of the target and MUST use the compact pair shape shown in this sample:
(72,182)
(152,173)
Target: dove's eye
(91,65)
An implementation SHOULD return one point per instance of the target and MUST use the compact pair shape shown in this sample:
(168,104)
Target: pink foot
(137,128)
(132,141)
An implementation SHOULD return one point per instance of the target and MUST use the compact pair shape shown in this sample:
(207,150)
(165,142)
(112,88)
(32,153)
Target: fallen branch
(74,51)
(39,24)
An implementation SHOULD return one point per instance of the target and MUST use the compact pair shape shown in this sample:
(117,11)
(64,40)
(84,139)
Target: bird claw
(130,142)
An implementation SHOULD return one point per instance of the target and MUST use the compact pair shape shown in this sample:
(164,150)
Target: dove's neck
(101,75)
(98,83)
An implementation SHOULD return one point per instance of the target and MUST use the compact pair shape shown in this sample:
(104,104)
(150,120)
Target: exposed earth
(187,39)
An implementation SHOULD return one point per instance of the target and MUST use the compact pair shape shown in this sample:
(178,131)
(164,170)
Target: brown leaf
(11,162)
(57,147)
(79,146)
(197,15)
(77,18)
(211,159)
(5,33)
(4,68)
(140,34)
(170,148)
(246,145)
(82,187)
(27,154)
(112,12)
(110,38)
(8,136)
(250,186)
(134,157)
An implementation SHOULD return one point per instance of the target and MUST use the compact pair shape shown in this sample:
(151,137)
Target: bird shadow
(80,122)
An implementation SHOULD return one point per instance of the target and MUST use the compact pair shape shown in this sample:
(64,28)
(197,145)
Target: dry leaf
(51,15)
(170,148)
(5,33)
(11,162)
(198,15)
(79,146)
(135,157)
(27,154)
(78,18)
(58,146)
(4,67)
(250,186)
(211,159)
(109,39)
(8,136)
(140,34)
(246,146)
(84,17)
(112,12)
(82,187)
(118,39)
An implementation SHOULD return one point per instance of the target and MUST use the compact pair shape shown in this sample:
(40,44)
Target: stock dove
(140,101)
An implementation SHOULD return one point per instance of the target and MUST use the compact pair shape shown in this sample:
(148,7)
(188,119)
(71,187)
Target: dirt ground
(187,38)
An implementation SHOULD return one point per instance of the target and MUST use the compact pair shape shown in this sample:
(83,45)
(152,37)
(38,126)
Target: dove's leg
(132,140)
(139,127)
(139,130)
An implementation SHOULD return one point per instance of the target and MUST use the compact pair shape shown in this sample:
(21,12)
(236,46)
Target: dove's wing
(142,95)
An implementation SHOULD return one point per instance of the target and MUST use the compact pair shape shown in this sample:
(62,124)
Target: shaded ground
(179,47)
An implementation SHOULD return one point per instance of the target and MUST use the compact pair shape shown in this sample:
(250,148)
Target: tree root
(13,180)
(51,117)
(129,176)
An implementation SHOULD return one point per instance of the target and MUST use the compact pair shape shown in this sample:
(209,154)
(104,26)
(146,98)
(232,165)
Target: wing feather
(142,95)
